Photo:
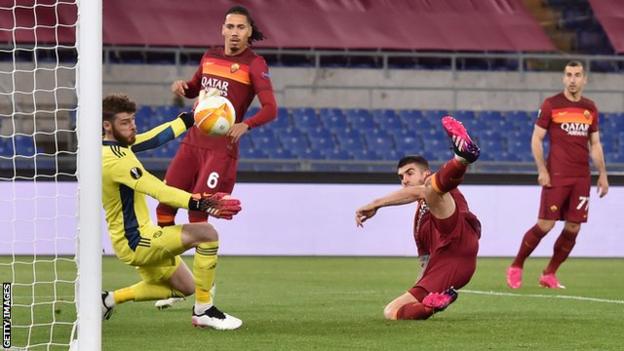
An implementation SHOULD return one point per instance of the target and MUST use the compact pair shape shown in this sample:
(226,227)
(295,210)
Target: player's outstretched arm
(597,156)
(129,172)
(163,133)
(400,197)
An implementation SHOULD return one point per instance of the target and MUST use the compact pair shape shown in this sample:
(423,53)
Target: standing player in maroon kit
(208,164)
(572,124)
(446,232)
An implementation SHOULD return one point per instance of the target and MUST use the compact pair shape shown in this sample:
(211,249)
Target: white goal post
(89,173)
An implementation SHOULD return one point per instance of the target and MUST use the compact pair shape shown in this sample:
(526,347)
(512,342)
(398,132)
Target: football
(214,115)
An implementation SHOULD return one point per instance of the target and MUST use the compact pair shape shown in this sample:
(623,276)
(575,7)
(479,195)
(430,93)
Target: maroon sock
(197,217)
(165,215)
(529,242)
(449,176)
(563,246)
(413,311)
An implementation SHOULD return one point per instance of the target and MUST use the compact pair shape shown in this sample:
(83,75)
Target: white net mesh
(38,228)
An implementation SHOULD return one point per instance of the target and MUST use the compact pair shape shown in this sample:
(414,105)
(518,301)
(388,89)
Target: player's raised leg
(451,174)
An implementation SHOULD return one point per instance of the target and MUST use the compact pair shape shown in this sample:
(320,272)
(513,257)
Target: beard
(122,140)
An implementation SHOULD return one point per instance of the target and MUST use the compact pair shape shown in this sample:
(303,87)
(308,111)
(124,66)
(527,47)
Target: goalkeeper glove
(218,205)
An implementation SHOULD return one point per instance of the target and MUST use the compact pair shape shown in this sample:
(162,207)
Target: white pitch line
(564,297)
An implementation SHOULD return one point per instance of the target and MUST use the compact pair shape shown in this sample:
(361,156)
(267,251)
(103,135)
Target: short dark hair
(575,63)
(256,34)
(417,159)
(116,103)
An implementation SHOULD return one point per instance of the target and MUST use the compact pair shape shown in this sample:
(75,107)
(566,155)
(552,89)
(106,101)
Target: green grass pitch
(322,303)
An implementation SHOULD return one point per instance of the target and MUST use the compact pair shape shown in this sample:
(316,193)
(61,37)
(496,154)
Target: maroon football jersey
(569,125)
(238,78)
(429,239)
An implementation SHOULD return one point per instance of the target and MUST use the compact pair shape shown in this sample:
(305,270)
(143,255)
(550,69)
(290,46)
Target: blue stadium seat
(361,119)
(246,142)
(490,116)
(264,131)
(351,144)
(265,143)
(291,132)
(408,144)
(387,119)
(346,133)
(334,121)
(418,123)
(319,132)
(253,153)
(338,154)
(363,154)
(322,143)
(305,120)
(330,111)
(283,119)
(379,142)
(302,111)
(295,144)
(282,154)
(312,154)
(522,150)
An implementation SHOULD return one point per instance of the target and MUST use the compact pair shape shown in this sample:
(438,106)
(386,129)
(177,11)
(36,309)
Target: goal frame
(89,82)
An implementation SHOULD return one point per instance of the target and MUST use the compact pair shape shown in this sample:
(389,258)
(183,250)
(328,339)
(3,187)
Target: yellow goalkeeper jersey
(125,183)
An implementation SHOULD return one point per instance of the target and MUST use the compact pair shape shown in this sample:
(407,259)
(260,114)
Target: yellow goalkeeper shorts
(157,256)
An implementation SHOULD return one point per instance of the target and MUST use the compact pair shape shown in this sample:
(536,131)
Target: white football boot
(213,318)
(107,312)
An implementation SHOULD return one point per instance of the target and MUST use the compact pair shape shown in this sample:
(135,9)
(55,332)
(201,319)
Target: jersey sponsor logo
(575,129)
(214,83)
(136,173)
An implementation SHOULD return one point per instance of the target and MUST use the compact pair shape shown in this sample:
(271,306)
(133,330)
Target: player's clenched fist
(219,205)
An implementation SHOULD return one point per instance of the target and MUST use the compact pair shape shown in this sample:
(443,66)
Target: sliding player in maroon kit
(446,232)
(572,124)
(208,163)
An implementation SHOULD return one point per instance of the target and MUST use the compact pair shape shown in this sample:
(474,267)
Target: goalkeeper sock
(204,271)
(414,310)
(143,291)
(449,176)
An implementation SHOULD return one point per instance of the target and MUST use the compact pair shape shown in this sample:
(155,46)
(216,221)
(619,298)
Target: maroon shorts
(199,170)
(454,264)
(568,202)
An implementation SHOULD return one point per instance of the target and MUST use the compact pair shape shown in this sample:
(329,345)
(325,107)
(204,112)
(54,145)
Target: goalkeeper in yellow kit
(154,250)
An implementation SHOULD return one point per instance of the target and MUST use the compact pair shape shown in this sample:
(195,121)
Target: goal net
(41,178)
